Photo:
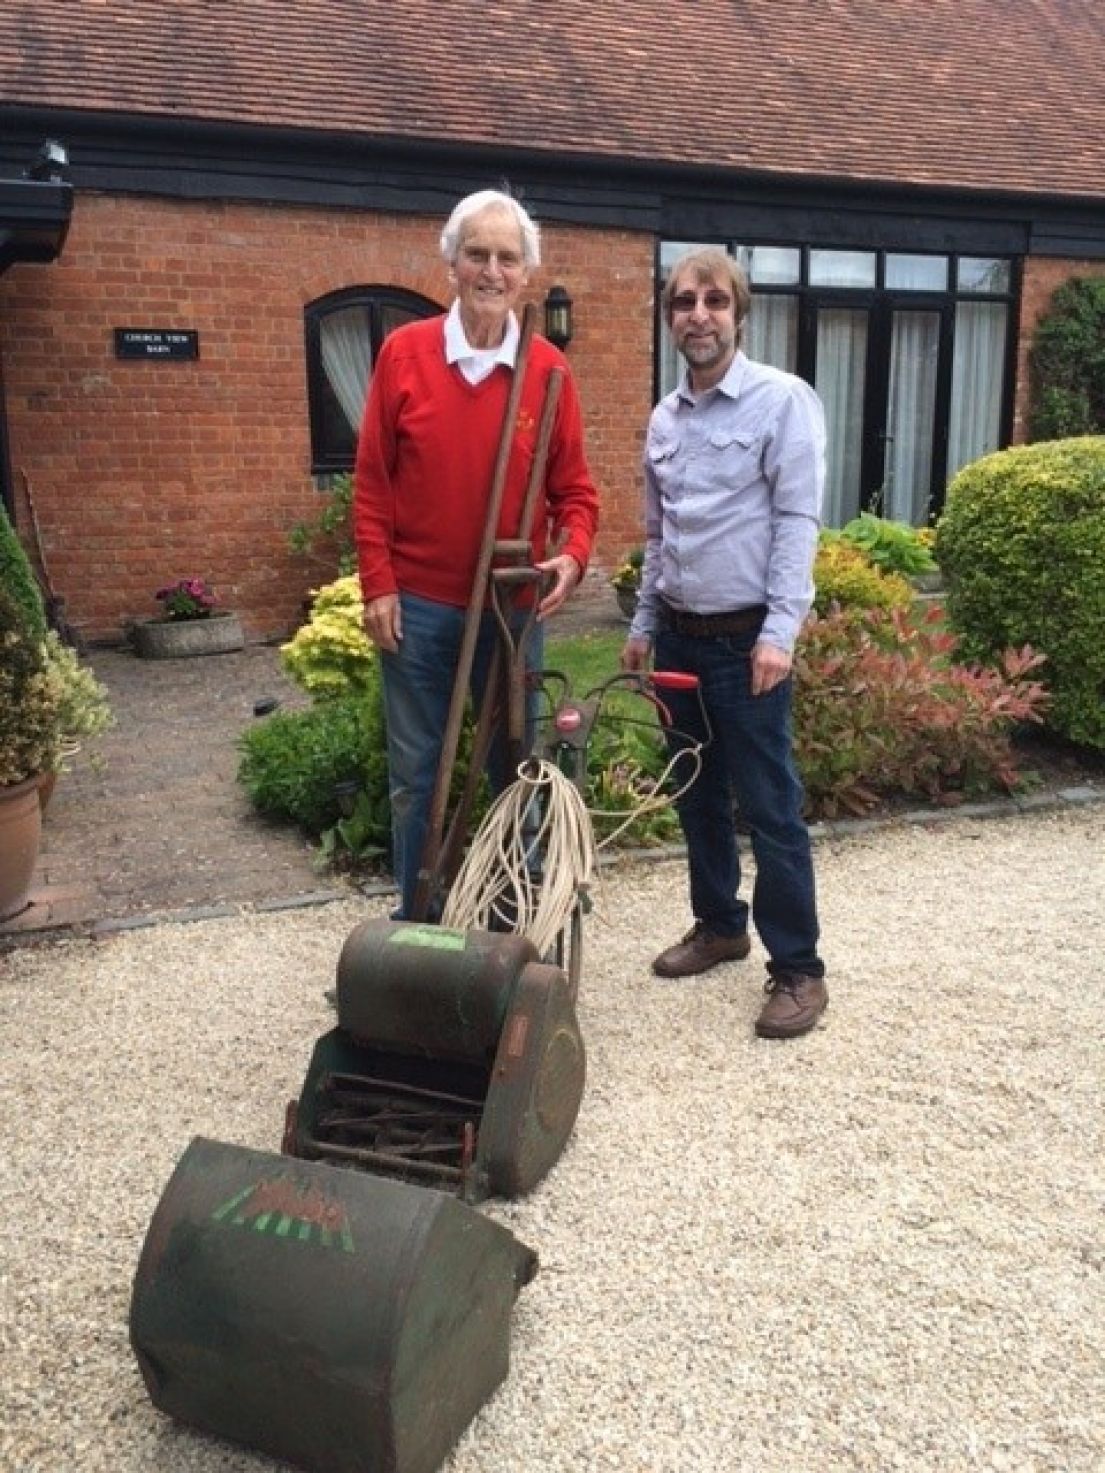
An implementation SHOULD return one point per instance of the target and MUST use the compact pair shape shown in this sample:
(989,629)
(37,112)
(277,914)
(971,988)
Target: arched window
(344,332)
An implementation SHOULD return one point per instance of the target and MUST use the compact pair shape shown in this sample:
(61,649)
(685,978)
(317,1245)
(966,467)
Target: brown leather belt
(708,626)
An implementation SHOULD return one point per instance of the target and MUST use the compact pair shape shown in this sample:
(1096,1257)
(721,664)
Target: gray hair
(476,204)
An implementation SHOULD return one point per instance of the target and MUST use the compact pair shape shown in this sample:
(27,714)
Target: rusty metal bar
(380,1158)
(361,1082)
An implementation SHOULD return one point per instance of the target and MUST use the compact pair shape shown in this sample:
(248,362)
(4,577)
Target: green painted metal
(430,990)
(466,1014)
(342,1321)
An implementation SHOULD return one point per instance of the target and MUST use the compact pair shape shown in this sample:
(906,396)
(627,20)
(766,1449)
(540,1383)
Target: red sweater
(426,456)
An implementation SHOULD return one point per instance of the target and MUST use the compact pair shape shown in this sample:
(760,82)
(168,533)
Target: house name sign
(156,342)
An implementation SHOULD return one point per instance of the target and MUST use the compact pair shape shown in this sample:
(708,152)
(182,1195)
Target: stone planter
(171,639)
(20,837)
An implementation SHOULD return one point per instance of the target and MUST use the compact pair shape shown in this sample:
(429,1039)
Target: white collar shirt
(478,363)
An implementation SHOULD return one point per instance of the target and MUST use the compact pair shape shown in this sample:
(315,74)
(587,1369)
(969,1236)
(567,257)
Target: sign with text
(156,342)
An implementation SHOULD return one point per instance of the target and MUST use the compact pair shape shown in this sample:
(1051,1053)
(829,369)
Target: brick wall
(1042,276)
(145,471)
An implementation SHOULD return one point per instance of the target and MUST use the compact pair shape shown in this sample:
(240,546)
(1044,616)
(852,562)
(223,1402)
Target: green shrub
(882,707)
(845,575)
(18,578)
(333,527)
(30,698)
(331,655)
(292,762)
(1067,363)
(893,547)
(85,709)
(624,764)
(1022,547)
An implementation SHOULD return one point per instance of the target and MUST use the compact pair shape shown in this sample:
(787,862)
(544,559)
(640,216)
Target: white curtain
(771,332)
(977,372)
(346,345)
(841,376)
(914,351)
(671,365)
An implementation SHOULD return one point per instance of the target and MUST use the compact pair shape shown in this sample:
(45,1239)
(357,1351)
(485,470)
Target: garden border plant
(1067,363)
(1022,547)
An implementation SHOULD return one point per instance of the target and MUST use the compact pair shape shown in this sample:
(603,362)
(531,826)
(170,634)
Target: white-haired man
(425,461)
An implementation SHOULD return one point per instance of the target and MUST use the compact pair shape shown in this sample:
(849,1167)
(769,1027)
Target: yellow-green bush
(844,575)
(1021,545)
(331,655)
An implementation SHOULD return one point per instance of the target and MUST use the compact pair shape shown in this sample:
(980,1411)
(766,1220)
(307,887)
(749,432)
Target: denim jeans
(750,758)
(418,688)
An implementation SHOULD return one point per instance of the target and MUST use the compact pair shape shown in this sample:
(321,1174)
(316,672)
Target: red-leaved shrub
(881,707)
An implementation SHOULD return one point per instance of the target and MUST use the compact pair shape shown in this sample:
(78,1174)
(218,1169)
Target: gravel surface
(879,1247)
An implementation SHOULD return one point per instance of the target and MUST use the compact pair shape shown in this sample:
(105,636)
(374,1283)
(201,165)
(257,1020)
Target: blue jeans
(418,687)
(750,758)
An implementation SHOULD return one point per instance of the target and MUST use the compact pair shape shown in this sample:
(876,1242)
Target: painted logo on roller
(282,1208)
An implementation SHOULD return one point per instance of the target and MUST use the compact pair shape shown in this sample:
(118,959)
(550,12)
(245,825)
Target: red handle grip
(673,680)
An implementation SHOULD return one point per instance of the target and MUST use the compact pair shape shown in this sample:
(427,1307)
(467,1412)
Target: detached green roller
(344,1322)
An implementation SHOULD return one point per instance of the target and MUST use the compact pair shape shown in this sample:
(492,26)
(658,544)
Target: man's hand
(637,653)
(566,573)
(383,623)
(770,667)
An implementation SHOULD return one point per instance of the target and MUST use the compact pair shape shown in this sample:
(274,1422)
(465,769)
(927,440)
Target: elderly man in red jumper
(425,461)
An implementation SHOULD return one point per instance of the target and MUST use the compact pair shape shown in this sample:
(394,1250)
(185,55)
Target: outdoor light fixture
(49,164)
(558,317)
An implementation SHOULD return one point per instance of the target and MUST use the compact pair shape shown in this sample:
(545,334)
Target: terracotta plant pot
(20,836)
(170,639)
(47,782)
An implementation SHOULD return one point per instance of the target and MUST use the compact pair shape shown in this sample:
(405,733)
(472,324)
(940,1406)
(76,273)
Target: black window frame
(880,301)
(327,458)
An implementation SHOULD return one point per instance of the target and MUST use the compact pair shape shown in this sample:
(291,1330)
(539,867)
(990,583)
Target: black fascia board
(202,158)
(34,219)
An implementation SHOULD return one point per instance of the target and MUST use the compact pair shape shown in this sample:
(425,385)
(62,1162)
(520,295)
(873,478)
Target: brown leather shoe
(699,950)
(794,1004)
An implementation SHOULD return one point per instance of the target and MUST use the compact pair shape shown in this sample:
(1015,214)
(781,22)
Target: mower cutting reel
(457,1061)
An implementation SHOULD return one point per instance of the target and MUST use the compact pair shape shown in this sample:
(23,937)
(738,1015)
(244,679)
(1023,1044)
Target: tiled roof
(1003,95)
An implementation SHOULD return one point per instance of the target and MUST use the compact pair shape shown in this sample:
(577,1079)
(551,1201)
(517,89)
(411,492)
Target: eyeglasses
(715,301)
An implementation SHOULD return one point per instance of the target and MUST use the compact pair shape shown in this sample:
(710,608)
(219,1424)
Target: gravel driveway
(880,1247)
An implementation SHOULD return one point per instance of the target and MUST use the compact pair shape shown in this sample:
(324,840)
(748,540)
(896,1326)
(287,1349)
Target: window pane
(771,265)
(671,250)
(841,376)
(842,268)
(344,331)
(978,369)
(907,460)
(671,365)
(983,274)
(345,342)
(917,273)
(771,332)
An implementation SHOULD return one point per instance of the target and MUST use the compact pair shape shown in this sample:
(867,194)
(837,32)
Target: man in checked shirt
(734,476)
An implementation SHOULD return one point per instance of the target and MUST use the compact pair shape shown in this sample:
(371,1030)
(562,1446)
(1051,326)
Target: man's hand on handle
(565,573)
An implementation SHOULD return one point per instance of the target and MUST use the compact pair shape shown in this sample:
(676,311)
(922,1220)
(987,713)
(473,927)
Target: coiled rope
(535,853)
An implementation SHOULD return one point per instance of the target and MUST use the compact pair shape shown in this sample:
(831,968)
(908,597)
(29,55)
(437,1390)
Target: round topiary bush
(1021,545)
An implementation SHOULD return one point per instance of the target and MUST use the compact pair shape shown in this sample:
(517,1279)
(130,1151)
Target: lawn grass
(586,659)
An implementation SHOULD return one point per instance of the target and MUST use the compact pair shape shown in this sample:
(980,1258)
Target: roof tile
(980,94)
